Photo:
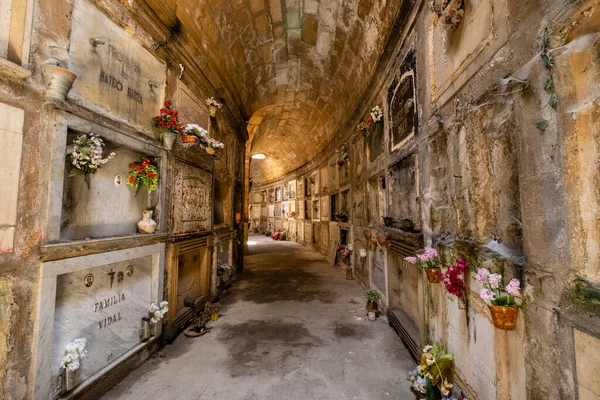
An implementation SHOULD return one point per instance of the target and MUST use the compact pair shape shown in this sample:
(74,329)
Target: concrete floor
(292,328)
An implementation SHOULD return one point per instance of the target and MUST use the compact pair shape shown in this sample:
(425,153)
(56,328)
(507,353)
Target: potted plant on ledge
(341,216)
(428,261)
(502,302)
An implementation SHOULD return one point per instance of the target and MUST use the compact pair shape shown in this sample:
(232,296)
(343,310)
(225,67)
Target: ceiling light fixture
(259,156)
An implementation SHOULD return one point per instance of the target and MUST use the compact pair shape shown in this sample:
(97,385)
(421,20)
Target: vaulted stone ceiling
(295,69)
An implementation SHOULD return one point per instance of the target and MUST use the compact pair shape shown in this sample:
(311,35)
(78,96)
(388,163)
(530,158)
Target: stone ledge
(60,251)
(12,70)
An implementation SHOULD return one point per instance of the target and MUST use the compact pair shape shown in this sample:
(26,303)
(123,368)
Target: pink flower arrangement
(492,292)
(427,260)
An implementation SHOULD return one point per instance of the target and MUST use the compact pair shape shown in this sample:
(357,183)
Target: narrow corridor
(292,328)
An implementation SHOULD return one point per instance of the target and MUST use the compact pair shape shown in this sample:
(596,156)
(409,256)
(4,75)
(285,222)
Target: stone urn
(169,139)
(147,224)
(504,318)
(58,81)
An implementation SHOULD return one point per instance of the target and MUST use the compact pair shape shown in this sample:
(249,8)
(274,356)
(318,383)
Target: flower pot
(372,306)
(212,110)
(214,316)
(69,379)
(58,82)
(367,235)
(382,240)
(192,332)
(189,138)
(169,140)
(209,150)
(433,274)
(504,317)
(147,224)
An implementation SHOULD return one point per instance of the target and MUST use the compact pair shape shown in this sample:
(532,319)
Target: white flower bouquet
(75,352)
(86,157)
(157,312)
(376,114)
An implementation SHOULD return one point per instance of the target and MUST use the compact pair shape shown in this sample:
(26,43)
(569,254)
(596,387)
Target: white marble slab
(67,309)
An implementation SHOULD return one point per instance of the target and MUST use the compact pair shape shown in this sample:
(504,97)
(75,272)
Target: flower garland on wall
(86,157)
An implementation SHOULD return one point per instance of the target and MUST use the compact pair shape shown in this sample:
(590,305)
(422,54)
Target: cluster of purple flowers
(492,284)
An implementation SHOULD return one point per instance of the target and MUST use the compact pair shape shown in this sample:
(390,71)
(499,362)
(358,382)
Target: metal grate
(403,248)
(407,332)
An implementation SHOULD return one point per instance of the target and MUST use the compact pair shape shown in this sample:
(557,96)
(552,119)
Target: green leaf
(549,84)
(553,101)
(75,172)
(542,125)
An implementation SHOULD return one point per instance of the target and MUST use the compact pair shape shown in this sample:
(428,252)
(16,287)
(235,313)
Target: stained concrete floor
(292,328)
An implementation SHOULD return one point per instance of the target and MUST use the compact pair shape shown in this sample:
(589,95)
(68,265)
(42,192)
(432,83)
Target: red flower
(179,128)
(162,123)
(131,179)
(162,111)
(167,104)
(371,120)
(175,112)
(139,171)
(169,112)
(151,175)
(173,118)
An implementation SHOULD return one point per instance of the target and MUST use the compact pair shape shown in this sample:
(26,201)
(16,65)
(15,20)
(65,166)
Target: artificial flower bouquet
(86,157)
(168,120)
(211,102)
(157,312)
(203,137)
(144,173)
(344,252)
(341,216)
(437,366)
(376,115)
(501,299)
(75,352)
(452,278)
(429,261)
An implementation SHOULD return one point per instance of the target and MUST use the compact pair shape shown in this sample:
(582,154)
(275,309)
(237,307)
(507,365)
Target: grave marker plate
(119,76)
(104,305)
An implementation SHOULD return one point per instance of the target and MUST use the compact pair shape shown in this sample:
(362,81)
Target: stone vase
(58,82)
(147,330)
(433,274)
(147,224)
(504,318)
(69,379)
(169,140)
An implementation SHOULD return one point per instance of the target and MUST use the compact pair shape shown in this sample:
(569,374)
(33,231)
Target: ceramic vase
(58,82)
(147,224)
(433,274)
(504,317)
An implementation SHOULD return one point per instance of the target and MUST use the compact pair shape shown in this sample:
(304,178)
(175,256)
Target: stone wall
(53,228)
(498,165)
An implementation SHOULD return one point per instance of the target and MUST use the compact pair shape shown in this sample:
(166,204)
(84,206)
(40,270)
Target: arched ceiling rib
(297,67)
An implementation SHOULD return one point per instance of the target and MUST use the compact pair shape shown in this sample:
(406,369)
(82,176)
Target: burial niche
(402,104)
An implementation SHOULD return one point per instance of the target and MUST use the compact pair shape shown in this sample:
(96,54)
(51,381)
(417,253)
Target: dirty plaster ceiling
(296,69)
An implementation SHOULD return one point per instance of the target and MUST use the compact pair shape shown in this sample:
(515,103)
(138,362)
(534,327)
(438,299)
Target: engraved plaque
(108,314)
(119,76)
(192,210)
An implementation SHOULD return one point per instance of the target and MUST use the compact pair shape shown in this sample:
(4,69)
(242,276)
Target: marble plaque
(117,75)
(104,305)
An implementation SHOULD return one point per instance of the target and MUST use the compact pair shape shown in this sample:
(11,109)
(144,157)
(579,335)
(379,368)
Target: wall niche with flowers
(107,187)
